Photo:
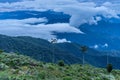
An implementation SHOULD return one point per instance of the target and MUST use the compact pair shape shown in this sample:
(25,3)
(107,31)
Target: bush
(42,75)
(109,68)
(1,51)
(67,78)
(51,67)
(61,63)
(3,66)
(4,78)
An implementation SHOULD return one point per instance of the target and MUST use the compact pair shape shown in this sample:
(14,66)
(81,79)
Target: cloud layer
(25,27)
(84,12)
(80,12)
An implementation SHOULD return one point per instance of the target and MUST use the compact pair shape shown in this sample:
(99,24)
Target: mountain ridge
(43,50)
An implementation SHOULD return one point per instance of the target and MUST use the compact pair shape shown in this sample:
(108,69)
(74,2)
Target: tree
(109,69)
(1,51)
(106,46)
(107,58)
(61,63)
(53,55)
(83,50)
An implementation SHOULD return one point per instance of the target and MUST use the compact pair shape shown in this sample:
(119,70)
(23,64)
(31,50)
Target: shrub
(42,75)
(105,78)
(4,78)
(109,68)
(16,71)
(1,51)
(67,78)
(3,66)
(61,63)
(51,67)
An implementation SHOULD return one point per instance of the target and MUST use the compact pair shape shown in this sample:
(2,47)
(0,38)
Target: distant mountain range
(105,32)
(40,49)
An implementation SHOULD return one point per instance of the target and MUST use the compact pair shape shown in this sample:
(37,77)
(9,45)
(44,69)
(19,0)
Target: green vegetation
(61,63)
(43,50)
(19,67)
(37,48)
(109,69)
(1,51)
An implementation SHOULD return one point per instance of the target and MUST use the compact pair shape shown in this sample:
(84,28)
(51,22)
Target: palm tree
(52,42)
(83,50)
(109,69)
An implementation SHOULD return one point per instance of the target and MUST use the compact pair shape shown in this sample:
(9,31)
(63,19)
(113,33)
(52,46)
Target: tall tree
(83,50)
(107,58)
(53,41)
(106,46)
(109,69)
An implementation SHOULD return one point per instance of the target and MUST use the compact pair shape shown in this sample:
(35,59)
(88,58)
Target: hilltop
(19,67)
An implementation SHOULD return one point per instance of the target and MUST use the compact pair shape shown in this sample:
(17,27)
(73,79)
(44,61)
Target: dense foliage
(18,67)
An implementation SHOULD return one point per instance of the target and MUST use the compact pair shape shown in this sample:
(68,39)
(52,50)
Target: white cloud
(105,45)
(63,41)
(14,27)
(94,20)
(81,12)
(96,46)
(33,20)
(21,23)
(113,6)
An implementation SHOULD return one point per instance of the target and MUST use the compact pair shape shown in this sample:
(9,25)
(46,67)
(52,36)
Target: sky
(80,11)
(10,1)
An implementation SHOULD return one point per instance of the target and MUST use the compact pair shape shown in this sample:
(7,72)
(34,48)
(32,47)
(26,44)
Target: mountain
(94,57)
(38,49)
(20,67)
(105,32)
(42,50)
